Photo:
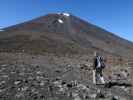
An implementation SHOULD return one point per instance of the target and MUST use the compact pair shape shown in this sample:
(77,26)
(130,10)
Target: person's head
(96,54)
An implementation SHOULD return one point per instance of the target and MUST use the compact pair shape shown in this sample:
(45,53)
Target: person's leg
(98,78)
(102,78)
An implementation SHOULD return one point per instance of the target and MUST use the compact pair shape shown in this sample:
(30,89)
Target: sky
(115,16)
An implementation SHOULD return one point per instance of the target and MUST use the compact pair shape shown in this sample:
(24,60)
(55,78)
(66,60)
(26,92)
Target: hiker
(98,66)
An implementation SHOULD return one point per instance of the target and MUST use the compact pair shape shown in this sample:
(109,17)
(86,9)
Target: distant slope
(62,33)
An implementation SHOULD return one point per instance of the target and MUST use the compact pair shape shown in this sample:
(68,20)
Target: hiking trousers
(98,76)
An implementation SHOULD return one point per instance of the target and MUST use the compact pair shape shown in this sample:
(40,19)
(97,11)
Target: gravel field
(48,77)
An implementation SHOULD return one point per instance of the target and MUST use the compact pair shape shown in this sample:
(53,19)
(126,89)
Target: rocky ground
(49,77)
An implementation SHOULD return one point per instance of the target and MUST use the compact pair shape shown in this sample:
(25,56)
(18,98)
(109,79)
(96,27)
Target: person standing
(98,66)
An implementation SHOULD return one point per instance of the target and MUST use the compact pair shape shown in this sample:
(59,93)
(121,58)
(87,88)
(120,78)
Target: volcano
(50,58)
(62,33)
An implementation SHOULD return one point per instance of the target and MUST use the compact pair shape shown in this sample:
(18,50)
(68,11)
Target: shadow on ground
(111,84)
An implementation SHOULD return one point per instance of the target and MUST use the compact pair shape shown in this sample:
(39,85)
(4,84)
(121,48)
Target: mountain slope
(62,33)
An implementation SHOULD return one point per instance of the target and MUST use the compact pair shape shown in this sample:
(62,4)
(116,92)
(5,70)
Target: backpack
(100,62)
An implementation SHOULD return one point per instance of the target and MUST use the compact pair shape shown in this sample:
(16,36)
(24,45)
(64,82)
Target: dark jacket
(95,63)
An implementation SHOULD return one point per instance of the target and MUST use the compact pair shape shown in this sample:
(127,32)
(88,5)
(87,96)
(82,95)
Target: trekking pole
(94,76)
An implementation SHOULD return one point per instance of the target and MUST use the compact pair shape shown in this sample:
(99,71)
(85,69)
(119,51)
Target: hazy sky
(113,15)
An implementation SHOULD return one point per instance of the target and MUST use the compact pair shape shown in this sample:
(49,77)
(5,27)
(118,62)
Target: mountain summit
(62,33)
